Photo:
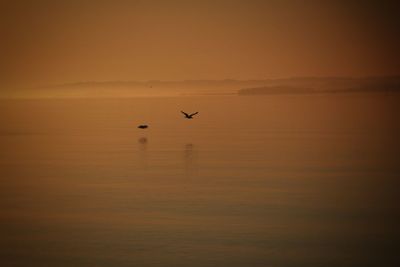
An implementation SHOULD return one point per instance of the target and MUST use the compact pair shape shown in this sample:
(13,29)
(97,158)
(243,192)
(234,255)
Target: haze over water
(285,180)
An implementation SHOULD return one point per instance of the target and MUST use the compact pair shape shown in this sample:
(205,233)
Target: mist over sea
(276,180)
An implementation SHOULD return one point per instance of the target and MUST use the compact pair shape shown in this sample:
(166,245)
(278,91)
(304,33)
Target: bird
(143,126)
(189,116)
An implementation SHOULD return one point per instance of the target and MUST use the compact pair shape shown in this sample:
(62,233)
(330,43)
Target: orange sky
(46,42)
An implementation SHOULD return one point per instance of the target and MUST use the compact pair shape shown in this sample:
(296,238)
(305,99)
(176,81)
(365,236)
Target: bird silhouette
(189,116)
(143,126)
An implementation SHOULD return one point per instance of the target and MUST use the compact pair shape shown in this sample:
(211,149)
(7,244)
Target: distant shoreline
(120,89)
(281,90)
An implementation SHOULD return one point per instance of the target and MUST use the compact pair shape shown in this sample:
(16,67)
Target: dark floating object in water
(143,126)
(189,116)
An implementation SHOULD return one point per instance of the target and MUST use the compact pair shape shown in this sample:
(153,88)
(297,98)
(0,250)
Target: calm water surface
(251,181)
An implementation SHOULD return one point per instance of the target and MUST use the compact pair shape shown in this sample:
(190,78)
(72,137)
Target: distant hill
(156,88)
(326,85)
(275,90)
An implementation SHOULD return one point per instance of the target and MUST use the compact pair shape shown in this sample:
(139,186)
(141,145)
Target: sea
(250,181)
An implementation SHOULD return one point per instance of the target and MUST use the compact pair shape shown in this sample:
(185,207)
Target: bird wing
(185,113)
(193,114)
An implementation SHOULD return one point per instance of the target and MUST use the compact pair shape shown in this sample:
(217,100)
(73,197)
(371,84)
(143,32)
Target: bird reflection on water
(190,159)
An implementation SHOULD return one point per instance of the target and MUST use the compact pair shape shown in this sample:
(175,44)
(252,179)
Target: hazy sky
(45,42)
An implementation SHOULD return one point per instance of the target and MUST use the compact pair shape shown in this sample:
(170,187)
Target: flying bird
(189,116)
(143,126)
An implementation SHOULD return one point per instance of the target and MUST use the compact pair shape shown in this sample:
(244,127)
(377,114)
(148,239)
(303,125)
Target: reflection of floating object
(143,126)
(189,116)
(142,140)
